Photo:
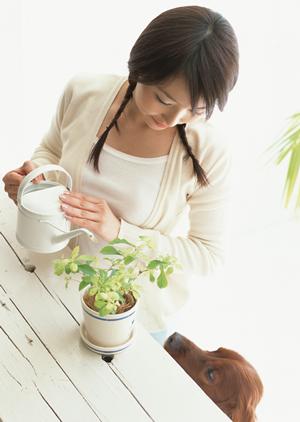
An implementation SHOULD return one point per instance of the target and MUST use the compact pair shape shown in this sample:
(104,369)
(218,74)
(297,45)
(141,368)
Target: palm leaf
(289,145)
(293,173)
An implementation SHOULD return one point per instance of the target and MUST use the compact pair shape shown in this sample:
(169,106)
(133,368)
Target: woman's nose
(175,118)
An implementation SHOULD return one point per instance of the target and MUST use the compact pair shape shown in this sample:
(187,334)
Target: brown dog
(224,375)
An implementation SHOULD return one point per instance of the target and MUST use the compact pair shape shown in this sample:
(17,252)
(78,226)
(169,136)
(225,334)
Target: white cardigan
(80,111)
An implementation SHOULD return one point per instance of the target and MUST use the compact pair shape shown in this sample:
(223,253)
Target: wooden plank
(163,387)
(58,331)
(18,400)
(34,370)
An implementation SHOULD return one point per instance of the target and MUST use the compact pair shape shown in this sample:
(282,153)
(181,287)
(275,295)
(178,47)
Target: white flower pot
(108,330)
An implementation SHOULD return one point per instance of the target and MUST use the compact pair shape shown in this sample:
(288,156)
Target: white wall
(251,306)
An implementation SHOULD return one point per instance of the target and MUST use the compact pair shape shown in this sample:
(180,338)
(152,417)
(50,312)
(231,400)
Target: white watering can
(41,225)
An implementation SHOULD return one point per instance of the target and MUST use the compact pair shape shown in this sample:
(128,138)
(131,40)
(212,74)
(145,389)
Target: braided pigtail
(97,148)
(201,176)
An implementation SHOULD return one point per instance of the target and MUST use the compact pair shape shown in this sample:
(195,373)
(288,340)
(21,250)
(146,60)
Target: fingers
(84,202)
(86,224)
(13,178)
(13,196)
(83,199)
(83,210)
(38,179)
(12,190)
(78,213)
(27,167)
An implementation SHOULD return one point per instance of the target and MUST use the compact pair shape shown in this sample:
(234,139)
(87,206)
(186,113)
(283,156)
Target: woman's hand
(13,178)
(91,213)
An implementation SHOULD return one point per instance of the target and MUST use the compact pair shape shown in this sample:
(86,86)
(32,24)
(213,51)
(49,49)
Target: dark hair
(191,41)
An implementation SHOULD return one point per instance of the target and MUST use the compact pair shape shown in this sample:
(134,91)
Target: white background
(252,305)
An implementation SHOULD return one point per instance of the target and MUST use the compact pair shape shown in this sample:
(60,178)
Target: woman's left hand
(91,213)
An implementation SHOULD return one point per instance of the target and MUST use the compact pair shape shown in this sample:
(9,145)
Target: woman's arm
(50,148)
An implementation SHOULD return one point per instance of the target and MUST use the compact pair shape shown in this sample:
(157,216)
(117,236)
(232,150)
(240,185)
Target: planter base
(104,350)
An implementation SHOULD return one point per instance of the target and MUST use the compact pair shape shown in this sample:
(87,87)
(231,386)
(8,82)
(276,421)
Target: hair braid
(201,176)
(97,148)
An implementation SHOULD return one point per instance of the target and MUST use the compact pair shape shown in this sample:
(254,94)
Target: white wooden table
(46,372)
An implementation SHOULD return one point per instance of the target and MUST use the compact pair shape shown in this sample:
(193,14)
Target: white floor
(253,307)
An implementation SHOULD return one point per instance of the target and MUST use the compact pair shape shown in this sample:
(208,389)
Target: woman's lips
(162,125)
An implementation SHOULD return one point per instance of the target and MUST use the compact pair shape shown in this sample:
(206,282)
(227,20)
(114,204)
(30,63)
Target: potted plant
(109,294)
(288,144)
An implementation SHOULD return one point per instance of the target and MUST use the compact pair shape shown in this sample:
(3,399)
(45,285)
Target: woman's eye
(168,104)
(161,101)
(210,374)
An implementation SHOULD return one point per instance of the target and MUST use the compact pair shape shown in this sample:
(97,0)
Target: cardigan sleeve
(203,250)
(50,148)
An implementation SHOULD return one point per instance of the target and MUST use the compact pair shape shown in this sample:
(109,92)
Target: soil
(129,303)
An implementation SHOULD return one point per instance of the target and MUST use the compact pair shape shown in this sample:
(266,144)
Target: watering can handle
(37,172)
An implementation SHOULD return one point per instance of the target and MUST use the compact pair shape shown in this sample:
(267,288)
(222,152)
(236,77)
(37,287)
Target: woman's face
(165,105)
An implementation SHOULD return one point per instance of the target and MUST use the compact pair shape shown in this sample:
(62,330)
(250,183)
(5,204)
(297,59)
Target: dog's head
(224,375)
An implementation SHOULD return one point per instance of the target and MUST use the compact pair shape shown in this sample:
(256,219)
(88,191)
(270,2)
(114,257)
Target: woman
(140,151)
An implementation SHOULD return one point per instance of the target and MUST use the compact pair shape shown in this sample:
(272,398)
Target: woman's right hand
(13,178)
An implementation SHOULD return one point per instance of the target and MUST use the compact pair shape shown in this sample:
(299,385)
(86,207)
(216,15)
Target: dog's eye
(210,374)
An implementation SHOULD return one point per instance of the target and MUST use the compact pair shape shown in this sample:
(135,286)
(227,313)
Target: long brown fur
(224,375)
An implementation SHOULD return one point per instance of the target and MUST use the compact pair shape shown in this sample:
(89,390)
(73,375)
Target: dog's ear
(243,415)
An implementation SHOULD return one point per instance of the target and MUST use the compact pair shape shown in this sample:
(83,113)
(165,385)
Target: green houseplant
(111,293)
(288,145)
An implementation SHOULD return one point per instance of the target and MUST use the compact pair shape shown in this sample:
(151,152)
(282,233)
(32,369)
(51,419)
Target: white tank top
(128,183)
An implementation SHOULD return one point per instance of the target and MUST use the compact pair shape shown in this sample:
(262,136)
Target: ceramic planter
(109,330)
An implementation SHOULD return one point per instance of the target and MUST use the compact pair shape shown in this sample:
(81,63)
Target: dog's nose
(174,340)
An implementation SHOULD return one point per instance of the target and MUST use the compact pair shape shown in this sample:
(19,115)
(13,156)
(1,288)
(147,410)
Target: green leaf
(151,277)
(109,309)
(75,252)
(128,259)
(59,267)
(112,242)
(145,238)
(292,175)
(153,264)
(120,297)
(86,258)
(73,267)
(162,281)
(110,250)
(283,153)
(83,284)
(99,304)
(150,242)
(93,291)
(169,271)
(86,269)
(103,274)
(67,269)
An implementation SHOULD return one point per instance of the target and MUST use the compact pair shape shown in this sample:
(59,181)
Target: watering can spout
(74,233)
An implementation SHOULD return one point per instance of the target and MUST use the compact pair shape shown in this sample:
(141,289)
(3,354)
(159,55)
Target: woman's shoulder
(87,84)
(211,147)
(207,141)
